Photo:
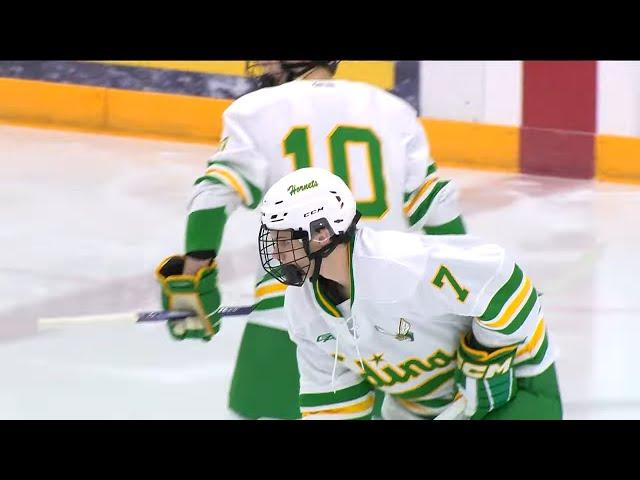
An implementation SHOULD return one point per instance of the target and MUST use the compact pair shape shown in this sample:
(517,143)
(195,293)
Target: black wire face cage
(288,246)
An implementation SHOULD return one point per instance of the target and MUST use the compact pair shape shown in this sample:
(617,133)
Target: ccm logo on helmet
(313,211)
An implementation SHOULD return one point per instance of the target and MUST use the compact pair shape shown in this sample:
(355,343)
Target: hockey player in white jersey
(367,136)
(421,317)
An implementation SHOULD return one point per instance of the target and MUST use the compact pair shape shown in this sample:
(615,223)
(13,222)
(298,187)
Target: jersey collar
(322,300)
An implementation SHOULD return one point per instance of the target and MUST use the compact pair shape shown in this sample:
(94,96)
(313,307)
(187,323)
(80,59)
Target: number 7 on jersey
(443,273)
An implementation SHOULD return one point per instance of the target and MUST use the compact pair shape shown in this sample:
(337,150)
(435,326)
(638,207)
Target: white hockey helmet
(294,209)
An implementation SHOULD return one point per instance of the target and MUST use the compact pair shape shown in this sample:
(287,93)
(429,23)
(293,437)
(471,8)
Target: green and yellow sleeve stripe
(512,304)
(418,202)
(534,349)
(269,294)
(225,174)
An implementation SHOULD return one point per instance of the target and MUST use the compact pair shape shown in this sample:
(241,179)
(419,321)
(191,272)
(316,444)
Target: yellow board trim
(473,145)
(105,110)
(617,158)
(379,73)
(50,103)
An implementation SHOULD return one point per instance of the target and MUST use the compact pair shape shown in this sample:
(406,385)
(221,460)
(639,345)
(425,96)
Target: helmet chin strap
(318,256)
(330,247)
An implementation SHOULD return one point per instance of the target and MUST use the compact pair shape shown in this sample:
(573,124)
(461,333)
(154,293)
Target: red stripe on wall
(558,118)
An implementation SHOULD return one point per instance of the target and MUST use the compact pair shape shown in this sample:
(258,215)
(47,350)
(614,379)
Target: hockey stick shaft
(133,317)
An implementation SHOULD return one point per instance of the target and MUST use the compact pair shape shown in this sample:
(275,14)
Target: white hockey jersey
(412,297)
(369,137)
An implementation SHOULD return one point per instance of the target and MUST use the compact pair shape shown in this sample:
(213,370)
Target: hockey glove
(198,293)
(485,377)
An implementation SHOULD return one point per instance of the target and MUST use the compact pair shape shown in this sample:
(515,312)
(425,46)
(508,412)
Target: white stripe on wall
(472,91)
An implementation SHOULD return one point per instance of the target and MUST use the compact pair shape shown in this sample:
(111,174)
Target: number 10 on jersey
(298,145)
